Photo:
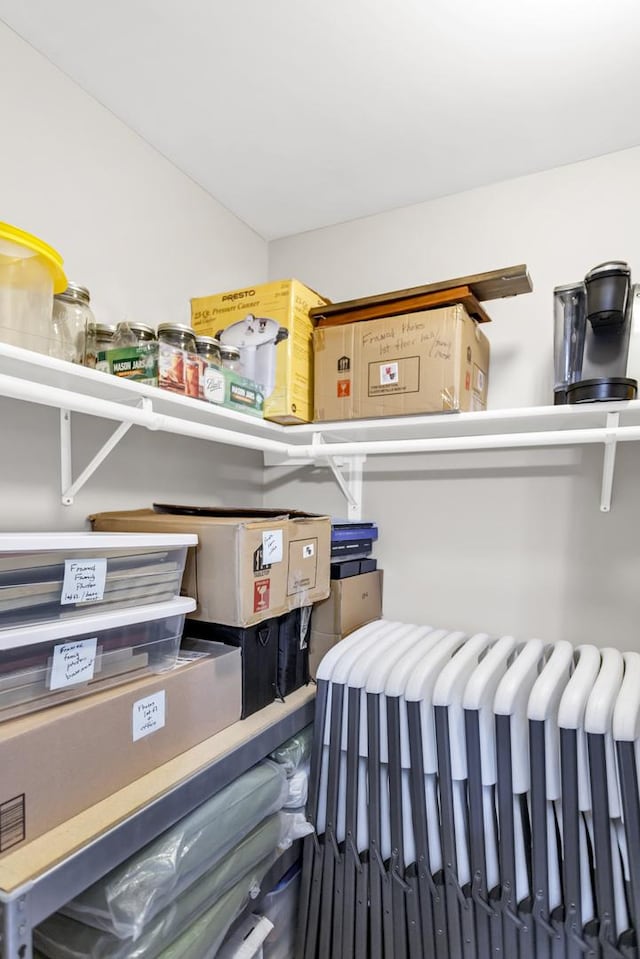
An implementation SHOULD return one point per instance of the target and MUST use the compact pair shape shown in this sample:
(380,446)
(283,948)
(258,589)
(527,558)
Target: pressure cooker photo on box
(256,337)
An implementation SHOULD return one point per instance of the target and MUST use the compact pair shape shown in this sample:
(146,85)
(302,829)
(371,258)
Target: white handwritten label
(148,715)
(73,662)
(84,581)
(272,549)
(308,550)
(388,373)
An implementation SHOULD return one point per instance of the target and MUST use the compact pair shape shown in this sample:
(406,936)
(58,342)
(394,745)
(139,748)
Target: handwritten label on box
(84,581)
(272,549)
(73,662)
(148,715)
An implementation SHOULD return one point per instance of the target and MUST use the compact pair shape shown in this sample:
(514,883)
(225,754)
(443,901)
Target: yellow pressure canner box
(271,327)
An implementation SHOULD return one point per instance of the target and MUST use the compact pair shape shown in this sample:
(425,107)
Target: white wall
(524,549)
(144,239)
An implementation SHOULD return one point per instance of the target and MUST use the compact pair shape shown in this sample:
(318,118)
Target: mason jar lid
(208,341)
(74,293)
(229,352)
(175,328)
(143,331)
(103,329)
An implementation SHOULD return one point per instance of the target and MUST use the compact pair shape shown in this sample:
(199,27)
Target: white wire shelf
(342,447)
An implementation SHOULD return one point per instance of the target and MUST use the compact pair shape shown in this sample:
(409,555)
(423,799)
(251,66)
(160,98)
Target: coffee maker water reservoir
(591,336)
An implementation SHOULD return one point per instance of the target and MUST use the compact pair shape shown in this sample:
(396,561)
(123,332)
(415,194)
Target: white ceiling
(297,114)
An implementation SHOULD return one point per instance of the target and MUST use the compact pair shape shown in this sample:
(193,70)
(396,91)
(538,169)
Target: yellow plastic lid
(51,258)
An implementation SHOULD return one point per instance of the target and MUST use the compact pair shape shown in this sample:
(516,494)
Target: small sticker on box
(272,549)
(344,388)
(84,581)
(308,550)
(479,380)
(73,663)
(388,373)
(261,595)
(148,715)
(214,385)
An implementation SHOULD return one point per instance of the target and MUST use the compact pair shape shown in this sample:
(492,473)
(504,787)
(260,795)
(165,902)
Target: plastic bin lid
(42,542)
(52,631)
(51,258)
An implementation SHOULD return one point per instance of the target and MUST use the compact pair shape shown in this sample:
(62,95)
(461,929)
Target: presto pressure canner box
(270,324)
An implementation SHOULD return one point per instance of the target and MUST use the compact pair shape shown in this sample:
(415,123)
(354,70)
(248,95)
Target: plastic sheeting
(281,907)
(60,937)
(203,939)
(295,752)
(125,901)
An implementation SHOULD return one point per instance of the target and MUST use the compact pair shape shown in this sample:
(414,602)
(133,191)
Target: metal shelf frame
(29,904)
(343,448)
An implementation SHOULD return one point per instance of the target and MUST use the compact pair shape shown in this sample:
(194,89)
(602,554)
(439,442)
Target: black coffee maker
(591,336)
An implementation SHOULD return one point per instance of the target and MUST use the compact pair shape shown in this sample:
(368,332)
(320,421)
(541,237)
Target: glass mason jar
(146,334)
(209,349)
(230,357)
(71,319)
(178,335)
(99,337)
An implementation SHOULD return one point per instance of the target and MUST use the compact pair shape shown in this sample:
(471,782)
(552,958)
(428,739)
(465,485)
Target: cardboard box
(249,565)
(353,603)
(57,763)
(289,394)
(429,362)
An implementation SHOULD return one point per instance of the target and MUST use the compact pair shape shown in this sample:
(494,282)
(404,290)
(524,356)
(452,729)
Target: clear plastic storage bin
(30,273)
(53,662)
(55,576)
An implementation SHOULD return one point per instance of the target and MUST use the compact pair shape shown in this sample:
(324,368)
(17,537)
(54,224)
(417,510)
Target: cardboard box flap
(221,512)
(235,512)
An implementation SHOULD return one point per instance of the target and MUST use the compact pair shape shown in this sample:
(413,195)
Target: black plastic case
(346,568)
(293,650)
(259,645)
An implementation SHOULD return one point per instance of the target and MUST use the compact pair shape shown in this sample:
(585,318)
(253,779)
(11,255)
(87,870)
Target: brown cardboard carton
(61,761)
(249,565)
(353,603)
(309,565)
(319,646)
(284,304)
(428,362)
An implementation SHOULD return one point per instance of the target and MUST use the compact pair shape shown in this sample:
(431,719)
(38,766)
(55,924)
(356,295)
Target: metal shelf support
(15,929)
(348,473)
(608,467)
(69,487)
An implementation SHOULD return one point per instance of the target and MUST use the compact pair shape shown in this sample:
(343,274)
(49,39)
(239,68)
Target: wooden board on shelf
(493,285)
(410,304)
